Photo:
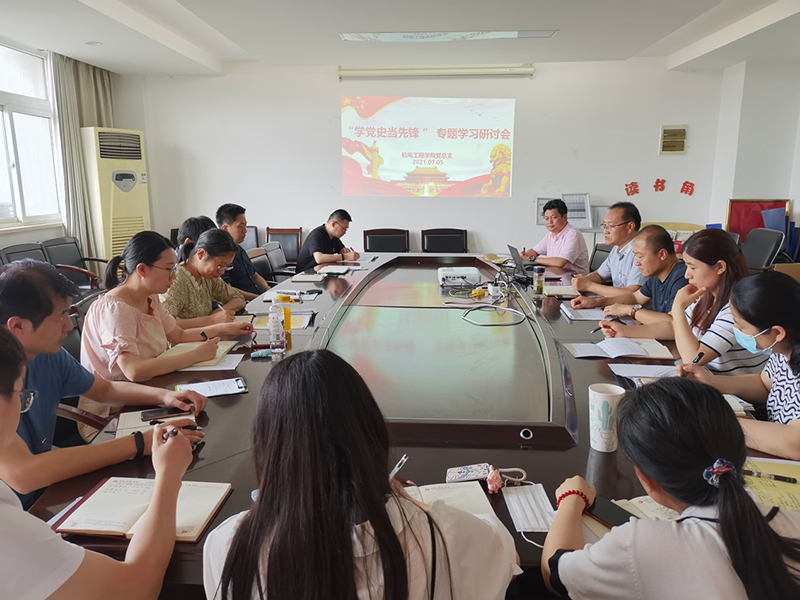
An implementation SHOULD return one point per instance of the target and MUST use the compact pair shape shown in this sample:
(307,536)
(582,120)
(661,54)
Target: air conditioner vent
(673,139)
(120,146)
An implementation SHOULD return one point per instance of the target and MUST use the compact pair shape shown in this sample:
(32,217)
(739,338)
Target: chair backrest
(761,247)
(173,236)
(600,253)
(20,251)
(290,239)
(734,236)
(65,251)
(444,240)
(250,240)
(791,269)
(275,256)
(258,256)
(386,240)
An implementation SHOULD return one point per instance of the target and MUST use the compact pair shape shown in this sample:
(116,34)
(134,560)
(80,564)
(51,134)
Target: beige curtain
(82,96)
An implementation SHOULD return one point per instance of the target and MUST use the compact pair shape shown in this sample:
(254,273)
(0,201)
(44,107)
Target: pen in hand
(398,466)
(168,434)
(696,360)
(204,336)
(617,319)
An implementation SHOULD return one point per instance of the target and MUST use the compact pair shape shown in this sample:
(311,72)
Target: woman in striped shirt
(702,325)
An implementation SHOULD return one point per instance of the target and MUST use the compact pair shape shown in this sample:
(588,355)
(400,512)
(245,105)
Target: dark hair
(767,299)
(672,430)
(28,289)
(711,246)
(340,215)
(317,425)
(557,204)
(144,248)
(629,213)
(192,227)
(12,361)
(657,239)
(228,213)
(214,241)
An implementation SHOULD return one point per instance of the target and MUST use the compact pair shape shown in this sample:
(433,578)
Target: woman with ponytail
(766,313)
(197,286)
(688,452)
(328,523)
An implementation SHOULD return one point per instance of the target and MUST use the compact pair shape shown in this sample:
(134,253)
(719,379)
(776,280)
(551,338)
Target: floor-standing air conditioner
(117,180)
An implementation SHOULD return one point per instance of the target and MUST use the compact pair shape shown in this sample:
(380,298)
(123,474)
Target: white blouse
(478,558)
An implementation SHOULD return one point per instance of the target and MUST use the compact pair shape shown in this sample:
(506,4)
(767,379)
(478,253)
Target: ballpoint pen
(204,336)
(769,476)
(398,466)
(616,319)
(696,360)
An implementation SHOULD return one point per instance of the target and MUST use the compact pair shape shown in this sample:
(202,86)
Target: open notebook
(222,349)
(617,347)
(467,496)
(114,508)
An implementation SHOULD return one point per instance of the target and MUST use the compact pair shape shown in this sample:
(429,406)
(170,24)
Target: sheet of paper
(220,387)
(581,314)
(585,351)
(243,319)
(300,321)
(639,371)
(655,349)
(597,529)
(229,362)
(467,496)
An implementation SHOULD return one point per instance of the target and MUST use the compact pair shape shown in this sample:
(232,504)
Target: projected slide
(398,146)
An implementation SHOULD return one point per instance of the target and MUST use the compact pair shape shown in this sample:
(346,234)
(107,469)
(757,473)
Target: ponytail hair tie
(720,467)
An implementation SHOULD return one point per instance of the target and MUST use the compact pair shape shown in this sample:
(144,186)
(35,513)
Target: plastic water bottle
(277,331)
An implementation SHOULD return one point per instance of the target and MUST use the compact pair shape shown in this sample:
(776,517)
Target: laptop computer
(519,266)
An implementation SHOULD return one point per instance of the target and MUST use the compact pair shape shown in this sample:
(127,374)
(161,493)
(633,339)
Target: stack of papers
(561,291)
(617,347)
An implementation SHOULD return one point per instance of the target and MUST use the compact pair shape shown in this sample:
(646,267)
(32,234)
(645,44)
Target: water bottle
(277,331)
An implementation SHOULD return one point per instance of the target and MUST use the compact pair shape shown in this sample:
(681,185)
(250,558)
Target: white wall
(268,138)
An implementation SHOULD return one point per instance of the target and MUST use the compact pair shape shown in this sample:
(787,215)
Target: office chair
(386,240)
(599,254)
(65,255)
(290,240)
(20,251)
(761,247)
(451,241)
(279,269)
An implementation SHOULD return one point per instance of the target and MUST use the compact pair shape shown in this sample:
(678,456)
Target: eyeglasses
(342,226)
(173,270)
(26,398)
(607,227)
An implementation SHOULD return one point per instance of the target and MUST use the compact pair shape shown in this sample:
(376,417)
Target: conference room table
(460,363)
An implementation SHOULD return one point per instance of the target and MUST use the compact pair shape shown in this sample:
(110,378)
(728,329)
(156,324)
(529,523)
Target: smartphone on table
(162,412)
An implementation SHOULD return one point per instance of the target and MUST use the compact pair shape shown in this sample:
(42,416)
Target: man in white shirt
(621,223)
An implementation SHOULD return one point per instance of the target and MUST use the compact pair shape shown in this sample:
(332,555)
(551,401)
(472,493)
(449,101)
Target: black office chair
(290,239)
(20,251)
(734,236)
(250,240)
(65,255)
(761,247)
(599,255)
(279,269)
(386,240)
(450,241)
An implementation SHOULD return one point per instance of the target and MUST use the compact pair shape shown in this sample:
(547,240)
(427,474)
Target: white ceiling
(197,37)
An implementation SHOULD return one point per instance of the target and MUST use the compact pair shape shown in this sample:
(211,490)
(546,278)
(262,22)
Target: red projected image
(395,146)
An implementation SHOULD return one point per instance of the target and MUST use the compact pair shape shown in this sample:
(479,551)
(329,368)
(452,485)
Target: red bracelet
(574,493)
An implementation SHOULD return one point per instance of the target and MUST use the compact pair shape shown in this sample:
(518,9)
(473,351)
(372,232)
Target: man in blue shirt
(620,225)
(34,306)
(654,255)
(242,274)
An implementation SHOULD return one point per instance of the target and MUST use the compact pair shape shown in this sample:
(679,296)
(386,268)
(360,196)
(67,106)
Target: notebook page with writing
(616,347)
(222,349)
(654,348)
(113,509)
(770,492)
(198,502)
(467,496)
(582,314)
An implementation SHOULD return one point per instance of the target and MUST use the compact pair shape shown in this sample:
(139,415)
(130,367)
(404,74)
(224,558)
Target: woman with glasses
(38,563)
(702,325)
(767,322)
(198,286)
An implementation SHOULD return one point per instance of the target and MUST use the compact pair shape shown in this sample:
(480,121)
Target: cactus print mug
(603,400)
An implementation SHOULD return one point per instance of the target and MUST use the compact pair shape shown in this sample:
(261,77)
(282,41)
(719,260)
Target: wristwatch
(634,308)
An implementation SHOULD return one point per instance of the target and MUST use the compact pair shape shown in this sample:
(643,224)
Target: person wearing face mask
(702,325)
(563,246)
(766,320)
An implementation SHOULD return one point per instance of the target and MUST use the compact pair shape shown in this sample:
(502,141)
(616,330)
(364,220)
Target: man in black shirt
(242,274)
(323,246)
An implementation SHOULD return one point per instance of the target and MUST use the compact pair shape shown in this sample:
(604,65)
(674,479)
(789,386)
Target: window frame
(10,105)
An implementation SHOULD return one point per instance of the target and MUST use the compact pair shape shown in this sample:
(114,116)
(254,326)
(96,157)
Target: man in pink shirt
(563,246)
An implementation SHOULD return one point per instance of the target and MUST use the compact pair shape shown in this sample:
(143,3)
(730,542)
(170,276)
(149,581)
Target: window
(29,191)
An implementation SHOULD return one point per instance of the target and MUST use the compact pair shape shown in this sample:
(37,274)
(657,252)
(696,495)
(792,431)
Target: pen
(189,427)
(616,319)
(398,466)
(168,434)
(204,336)
(696,360)
(769,476)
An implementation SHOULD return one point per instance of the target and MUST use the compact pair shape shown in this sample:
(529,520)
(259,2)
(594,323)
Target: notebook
(561,291)
(309,277)
(581,314)
(115,505)
(617,347)
(132,421)
(222,349)
(467,496)
(334,270)
(769,491)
